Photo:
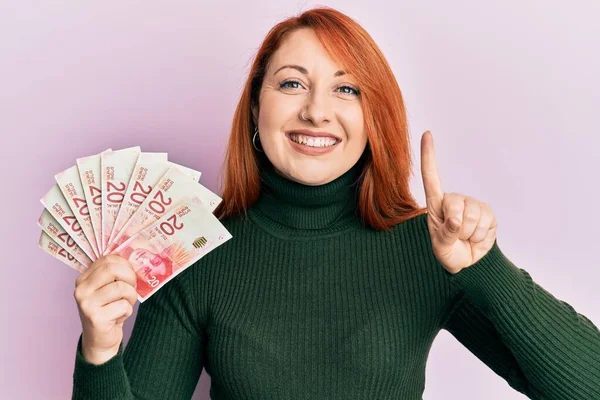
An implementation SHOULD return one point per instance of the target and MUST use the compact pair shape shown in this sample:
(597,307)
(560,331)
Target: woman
(336,282)
(151,269)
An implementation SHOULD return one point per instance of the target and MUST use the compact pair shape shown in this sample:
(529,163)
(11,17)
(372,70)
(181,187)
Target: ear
(254,109)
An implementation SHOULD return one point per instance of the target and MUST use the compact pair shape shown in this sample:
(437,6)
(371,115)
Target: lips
(309,150)
(307,132)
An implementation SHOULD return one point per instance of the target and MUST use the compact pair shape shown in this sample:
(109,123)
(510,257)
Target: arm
(163,359)
(540,345)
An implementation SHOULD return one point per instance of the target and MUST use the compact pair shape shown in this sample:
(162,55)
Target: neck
(291,209)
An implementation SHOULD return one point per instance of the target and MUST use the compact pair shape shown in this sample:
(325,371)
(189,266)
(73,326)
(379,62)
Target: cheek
(276,112)
(143,270)
(160,269)
(354,129)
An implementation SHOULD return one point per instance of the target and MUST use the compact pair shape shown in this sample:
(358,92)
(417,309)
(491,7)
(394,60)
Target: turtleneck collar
(290,209)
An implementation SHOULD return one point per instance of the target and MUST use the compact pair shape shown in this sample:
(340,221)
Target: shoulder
(413,238)
(238,227)
(413,235)
(239,223)
(412,230)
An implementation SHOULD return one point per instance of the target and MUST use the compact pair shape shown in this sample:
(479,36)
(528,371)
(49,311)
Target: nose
(317,109)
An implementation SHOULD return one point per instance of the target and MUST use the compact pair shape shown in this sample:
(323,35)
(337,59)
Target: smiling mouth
(313,142)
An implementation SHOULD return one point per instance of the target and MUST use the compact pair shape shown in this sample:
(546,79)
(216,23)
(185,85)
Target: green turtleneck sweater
(306,303)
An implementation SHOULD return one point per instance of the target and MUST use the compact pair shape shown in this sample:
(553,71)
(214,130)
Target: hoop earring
(254,140)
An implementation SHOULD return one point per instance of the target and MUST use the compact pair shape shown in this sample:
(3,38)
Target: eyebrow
(305,71)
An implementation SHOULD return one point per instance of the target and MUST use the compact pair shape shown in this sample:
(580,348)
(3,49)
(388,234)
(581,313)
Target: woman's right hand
(105,295)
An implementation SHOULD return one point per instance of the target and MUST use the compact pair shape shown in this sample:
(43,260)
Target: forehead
(302,47)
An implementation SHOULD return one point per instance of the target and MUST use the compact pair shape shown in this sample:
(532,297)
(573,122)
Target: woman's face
(147,263)
(312,96)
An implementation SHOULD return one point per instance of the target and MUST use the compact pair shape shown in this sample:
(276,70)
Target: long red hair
(384,197)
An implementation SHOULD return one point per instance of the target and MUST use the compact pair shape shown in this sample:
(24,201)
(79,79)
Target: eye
(354,91)
(156,260)
(345,89)
(285,83)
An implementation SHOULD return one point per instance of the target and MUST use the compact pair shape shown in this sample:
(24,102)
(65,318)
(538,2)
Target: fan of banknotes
(138,205)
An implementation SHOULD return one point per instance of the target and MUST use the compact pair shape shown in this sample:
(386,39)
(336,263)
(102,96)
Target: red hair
(384,197)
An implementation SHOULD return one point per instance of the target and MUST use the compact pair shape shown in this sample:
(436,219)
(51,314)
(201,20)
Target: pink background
(509,90)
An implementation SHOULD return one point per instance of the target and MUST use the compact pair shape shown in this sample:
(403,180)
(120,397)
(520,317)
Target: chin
(306,172)
(312,179)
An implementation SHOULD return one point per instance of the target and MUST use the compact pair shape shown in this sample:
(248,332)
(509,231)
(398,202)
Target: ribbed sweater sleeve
(162,359)
(539,344)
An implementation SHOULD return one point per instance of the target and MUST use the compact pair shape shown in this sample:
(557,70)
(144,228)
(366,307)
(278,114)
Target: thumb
(450,230)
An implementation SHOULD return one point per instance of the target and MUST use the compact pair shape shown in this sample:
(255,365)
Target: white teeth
(312,141)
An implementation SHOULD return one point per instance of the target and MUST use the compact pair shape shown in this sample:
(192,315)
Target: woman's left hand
(462,228)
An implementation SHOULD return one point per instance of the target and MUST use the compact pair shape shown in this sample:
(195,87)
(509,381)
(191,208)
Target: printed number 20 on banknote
(178,239)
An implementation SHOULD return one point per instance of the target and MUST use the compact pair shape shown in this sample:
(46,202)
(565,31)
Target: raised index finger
(429,172)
